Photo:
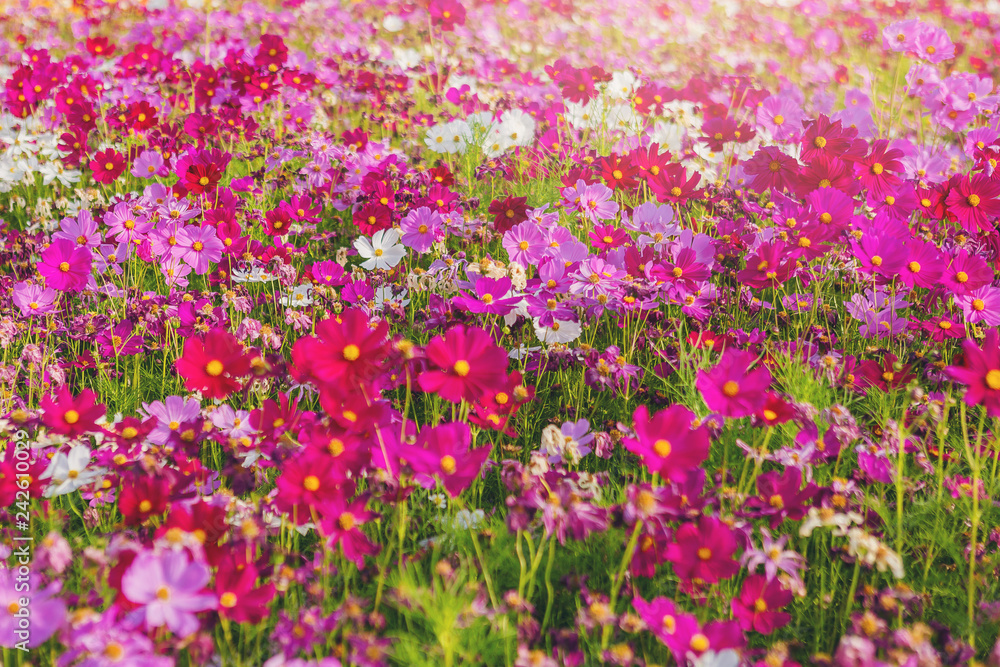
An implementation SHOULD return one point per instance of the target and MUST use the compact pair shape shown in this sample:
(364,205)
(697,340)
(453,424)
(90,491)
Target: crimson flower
(239,597)
(618,172)
(345,353)
(72,416)
(755,608)
(980,373)
(508,212)
(672,184)
(142,496)
(213,366)
(469,365)
(107,166)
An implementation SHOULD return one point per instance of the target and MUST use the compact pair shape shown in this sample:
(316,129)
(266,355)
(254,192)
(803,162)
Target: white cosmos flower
(392,23)
(254,275)
(560,331)
(447,137)
(517,127)
(725,658)
(69,472)
(382,252)
(300,297)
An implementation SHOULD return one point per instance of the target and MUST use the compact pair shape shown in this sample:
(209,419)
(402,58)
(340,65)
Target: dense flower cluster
(532,333)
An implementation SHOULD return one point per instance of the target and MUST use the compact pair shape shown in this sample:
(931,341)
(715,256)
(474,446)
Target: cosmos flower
(421,228)
(24,596)
(169,590)
(213,366)
(667,443)
(466,365)
(65,266)
(69,472)
(980,373)
(34,299)
(383,250)
(444,452)
(731,388)
(70,415)
(757,606)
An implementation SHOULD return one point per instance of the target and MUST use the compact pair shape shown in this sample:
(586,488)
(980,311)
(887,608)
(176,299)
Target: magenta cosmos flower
(169,590)
(980,373)
(666,443)
(731,388)
(65,265)
(757,606)
(443,452)
(704,551)
(469,365)
(975,202)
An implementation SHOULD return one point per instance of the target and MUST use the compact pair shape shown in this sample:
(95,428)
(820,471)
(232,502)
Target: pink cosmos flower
(443,452)
(781,116)
(169,590)
(45,613)
(593,201)
(490,297)
(198,247)
(421,228)
(704,551)
(65,265)
(34,299)
(666,443)
(731,388)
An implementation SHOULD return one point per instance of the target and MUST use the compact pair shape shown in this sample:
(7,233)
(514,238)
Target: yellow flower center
(448,464)
(311,483)
(352,352)
(71,416)
(699,643)
(993,379)
(662,448)
(214,368)
(730,389)
(973,200)
(462,368)
(227,600)
(877,168)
